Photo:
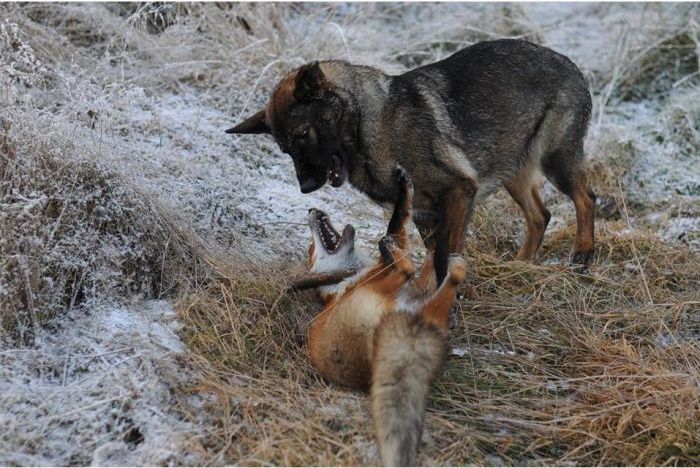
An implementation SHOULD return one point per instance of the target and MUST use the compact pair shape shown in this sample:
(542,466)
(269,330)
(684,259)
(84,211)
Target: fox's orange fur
(384,328)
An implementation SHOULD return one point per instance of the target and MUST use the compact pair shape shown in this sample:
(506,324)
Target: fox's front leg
(395,258)
(436,309)
(403,208)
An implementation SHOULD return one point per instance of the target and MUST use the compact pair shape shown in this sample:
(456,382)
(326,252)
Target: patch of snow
(685,229)
(500,349)
(662,168)
(97,388)
(240,190)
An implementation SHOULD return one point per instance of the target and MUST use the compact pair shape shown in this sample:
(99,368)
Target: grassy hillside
(119,187)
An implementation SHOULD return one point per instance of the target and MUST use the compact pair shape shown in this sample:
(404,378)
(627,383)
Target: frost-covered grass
(118,187)
(96,389)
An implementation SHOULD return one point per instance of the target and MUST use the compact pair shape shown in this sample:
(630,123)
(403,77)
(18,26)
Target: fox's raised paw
(387,248)
(457,268)
(394,257)
(403,179)
(400,174)
(388,241)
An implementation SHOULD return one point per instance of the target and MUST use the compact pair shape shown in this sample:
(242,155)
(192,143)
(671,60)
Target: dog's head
(331,250)
(304,115)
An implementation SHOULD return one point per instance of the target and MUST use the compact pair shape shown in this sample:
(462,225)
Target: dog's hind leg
(566,171)
(525,190)
(558,145)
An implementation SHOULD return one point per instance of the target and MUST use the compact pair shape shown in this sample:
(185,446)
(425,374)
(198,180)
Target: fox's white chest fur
(359,313)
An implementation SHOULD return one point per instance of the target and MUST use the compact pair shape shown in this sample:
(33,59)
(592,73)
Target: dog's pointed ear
(310,81)
(254,124)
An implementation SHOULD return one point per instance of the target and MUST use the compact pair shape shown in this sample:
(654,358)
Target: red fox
(383,329)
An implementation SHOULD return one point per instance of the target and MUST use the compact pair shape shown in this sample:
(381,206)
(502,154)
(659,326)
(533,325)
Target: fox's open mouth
(325,233)
(338,172)
(319,222)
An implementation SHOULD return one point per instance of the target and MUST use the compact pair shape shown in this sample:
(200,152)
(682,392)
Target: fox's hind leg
(403,208)
(525,190)
(426,279)
(436,310)
(566,171)
(392,246)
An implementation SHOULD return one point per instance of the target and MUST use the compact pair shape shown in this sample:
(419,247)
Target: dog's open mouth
(338,172)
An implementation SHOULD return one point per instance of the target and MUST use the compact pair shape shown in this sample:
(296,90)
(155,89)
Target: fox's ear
(254,124)
(310,81)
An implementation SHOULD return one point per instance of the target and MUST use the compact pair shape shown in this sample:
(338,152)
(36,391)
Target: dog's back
(486,109)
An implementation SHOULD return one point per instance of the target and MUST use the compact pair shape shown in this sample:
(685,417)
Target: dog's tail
(408,355)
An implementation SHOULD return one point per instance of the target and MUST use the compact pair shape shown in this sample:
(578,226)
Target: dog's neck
(364,90)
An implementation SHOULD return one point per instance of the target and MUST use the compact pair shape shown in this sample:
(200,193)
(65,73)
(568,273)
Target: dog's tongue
(339,172)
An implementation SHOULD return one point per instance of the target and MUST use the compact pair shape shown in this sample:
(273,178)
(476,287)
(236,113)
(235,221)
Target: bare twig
(315,280)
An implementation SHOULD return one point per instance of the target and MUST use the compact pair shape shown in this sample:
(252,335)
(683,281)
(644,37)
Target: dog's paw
(396,258)
(581,259)
(456,268)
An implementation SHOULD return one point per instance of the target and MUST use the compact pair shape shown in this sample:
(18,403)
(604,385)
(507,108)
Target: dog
(383,328)
(498,113)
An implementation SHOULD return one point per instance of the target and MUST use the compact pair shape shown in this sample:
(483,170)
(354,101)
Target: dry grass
(248,338)
(559,367)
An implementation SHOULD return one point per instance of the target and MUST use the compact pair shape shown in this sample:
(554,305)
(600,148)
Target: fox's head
(330,250)
(308,117)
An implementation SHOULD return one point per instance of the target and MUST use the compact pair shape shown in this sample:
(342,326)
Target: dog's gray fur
(499,113)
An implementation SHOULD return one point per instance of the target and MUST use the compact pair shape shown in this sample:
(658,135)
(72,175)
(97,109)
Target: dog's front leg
(454,213)
(426,222)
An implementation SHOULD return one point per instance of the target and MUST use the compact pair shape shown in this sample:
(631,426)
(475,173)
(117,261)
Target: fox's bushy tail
(408,355)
